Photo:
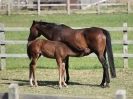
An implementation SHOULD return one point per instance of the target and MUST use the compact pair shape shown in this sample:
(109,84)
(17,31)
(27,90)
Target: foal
(50,49)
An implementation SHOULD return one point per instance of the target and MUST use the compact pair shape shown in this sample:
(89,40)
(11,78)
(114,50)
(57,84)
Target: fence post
(125,45)
(38,7)
(2,47)
(13,91)
(120,94)
(128,6)
(68,7)
(98,8)
(18,4)
(9,8)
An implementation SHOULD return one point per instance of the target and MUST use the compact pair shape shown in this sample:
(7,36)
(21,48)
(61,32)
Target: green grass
(74,20)
(71,20)
(82,83)
(81,63)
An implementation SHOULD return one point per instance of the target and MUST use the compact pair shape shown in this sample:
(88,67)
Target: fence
(67,7)
(14,94)
(125,55)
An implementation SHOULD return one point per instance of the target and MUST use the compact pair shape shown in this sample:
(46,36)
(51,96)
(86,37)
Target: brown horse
(50,49)
(87,40)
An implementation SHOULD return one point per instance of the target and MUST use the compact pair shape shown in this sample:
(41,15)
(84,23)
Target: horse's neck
(29,42)
(46,33)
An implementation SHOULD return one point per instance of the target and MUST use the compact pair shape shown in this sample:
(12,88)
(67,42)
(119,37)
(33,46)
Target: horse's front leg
(67,78)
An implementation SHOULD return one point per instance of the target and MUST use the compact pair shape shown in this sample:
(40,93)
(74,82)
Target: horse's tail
(110,54)
(28,51)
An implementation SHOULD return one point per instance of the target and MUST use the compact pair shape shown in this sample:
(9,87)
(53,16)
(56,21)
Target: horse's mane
(51,24)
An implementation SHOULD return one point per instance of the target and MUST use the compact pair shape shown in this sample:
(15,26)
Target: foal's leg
(32,72)
(63,74)
(106,78)
(62,71)
(59,63)
(60,75)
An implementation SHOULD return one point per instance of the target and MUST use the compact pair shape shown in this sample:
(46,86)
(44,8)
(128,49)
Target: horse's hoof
(67,82)
(102,86)
(107,85)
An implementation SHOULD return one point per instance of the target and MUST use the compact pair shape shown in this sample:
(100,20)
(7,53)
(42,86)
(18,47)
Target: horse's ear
(34,21)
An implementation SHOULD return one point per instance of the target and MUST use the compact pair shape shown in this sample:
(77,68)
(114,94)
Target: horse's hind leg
(106,78)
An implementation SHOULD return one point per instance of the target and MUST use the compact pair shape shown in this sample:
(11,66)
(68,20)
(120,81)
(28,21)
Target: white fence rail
(3,55)
(13,93)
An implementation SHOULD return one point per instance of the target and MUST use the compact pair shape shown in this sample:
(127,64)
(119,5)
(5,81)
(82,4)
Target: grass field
(47,75)
(75,20)
(85,85)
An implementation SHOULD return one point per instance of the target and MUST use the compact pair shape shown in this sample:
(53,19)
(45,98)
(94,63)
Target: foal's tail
(110,53)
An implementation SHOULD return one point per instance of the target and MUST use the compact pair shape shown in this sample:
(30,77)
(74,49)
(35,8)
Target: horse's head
(34,32)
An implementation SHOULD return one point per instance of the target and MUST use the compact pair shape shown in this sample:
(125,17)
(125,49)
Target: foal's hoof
(60,87)
(31,85)
(65,85)
(36,85)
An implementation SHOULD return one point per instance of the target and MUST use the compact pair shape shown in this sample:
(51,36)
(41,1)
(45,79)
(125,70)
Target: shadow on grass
(52,84)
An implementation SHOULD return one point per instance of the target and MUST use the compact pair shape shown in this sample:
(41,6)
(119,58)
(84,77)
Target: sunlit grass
(82,83)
